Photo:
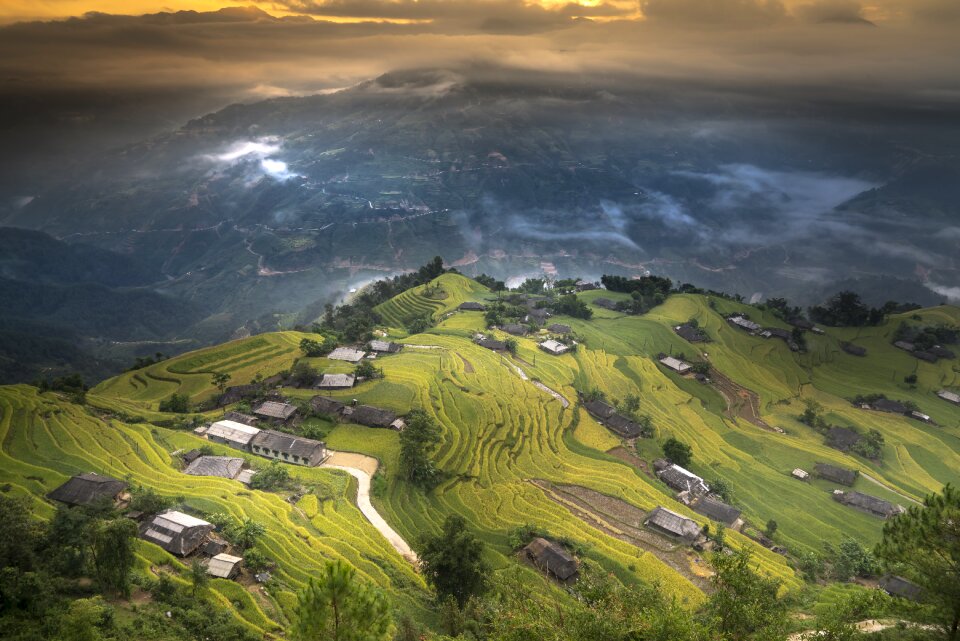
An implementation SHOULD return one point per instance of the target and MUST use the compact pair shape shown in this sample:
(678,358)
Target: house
(920,416)
(326,405)
(683,480)
(675,364)
(552,558)
(855,350)
(191,456)
(515,329)
(236,435)
(600,409)
(237,393)
(889,406)
(385,347)
(237,417)
(370,416)
(584,286)
(289,448)
(673,524)
(941,352)
(950,397)
(224,566)
(537,315)
(223,466)
(842,438)
(275,410)
(718,511)
(802,323)
(553,347)
(337,381)
(897,586)
(624,426)
(797,473)
(470,306)
(776,332)
(346,354)
(905,346)
(495,345)
(743,323)
(690,333)
(605,303)
(865,502)
(213,547)
(90,488)
(176,532)
(245,476)
(929,357)
(835,474)
(559,328)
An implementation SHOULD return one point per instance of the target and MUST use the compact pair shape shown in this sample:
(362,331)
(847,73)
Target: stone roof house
(337,381)
(326,405)
(471,306)
(559,328)
(600,409)
(89,488)
(276,410)
(223,466)
(386,347)
(690,333)
(515,329)
(236,435)
(224,566)
(842,438)
(870,504)
(855,350)
(176,532)
(897,586)
(370,416)
(673,524)
(835,474)
(719,511)
(495,345)
(551,557)
(289,448)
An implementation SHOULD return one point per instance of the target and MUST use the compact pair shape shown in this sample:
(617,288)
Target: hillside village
(625,425)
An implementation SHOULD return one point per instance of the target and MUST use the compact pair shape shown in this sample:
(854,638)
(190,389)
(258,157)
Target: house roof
(559,328)
(606,303)
(385,346)
(623,426)
(371,416)
(490,343)
(888,405)
(177,521)
(237,417)
(947,395)
(232,431)
(346,354)
(326,405)
(683,480)
(554,347)
(287,444)
(675,364)
(930,357)
(856,350)
(223,565)
(869,503)
(836,474)
(515,329)
(551,557)
(673,523)
(87,488)
(717,510)
(224,466)
(689,333)
(600,409)
(941,352)
(245,476)
(337,381)
(898,586)
(275,409)
(905,345)
(780,333)
(470,306)
(842,438)
(745,323)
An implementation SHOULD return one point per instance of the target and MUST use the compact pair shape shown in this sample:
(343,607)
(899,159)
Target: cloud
(833,11)
(715,12)
(952,293)
(258,157)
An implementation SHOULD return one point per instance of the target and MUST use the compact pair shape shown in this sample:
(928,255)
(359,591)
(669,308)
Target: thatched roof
(868,503)
(470,306)
(559,328)
(515,329)
(552,558)
(87,489)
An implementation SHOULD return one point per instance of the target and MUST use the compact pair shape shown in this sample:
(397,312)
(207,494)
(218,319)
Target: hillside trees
(176,403)
(114,555)
(417,442)
(744,605)
(677,452)
(845,309)
(570,305)
(220,380)
(453,562)
(924,545)
(338,607)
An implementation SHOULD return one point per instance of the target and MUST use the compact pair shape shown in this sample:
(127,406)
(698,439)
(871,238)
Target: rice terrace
(523,444)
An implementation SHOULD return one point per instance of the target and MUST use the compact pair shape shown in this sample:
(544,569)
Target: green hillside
(515,455)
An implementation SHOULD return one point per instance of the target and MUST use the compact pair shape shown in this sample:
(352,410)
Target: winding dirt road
(363,468)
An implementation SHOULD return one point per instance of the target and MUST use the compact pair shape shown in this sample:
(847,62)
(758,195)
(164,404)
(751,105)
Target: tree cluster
(418,440)
(845,309)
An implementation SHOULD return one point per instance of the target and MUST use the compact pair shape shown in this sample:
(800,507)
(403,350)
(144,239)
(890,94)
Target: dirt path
(412,346)
(627,456)
(741,402)
(868,626)
(877,481)
(557,395)
(467,365)
(624,521)
(363,468)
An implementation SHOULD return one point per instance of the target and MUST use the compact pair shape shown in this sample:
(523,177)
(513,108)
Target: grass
(500,432)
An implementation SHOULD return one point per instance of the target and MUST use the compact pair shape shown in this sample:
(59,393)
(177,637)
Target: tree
(255,560)
(246,533)
(811,413)
(113,554)
(199,579)
(177,403)
(366,369)
(303,374)
(453,562)
(417,442)
(852,559)
(220,380)
(721,488)
(924,545)
(146,500)
(771,528)
(511,344)
(337,607)
(271,477)
(677,452)
(744,605)
(82,620)
(18,531)
(419,324)
(311,348)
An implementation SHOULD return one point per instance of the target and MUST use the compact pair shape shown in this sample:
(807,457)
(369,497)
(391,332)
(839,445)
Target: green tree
(271,477)
(677,452)
(113,554)
(82,620)
(177,403)
(303,374)
(417,442)
(366,369)
(18,532)
(311,348)
(338,607)
(247,532)
(511,344)
(924,545)
(199,579)
(771,528)
(744,605)
(419,324)
(453,562)
(220,380)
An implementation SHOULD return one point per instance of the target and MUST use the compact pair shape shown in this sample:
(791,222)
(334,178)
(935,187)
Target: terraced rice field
(501,433)
(413,303)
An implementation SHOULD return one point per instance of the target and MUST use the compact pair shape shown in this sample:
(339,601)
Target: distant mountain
(260,214)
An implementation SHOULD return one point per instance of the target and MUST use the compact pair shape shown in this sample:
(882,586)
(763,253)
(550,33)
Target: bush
(272,477)
(677,452)
(177,404)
